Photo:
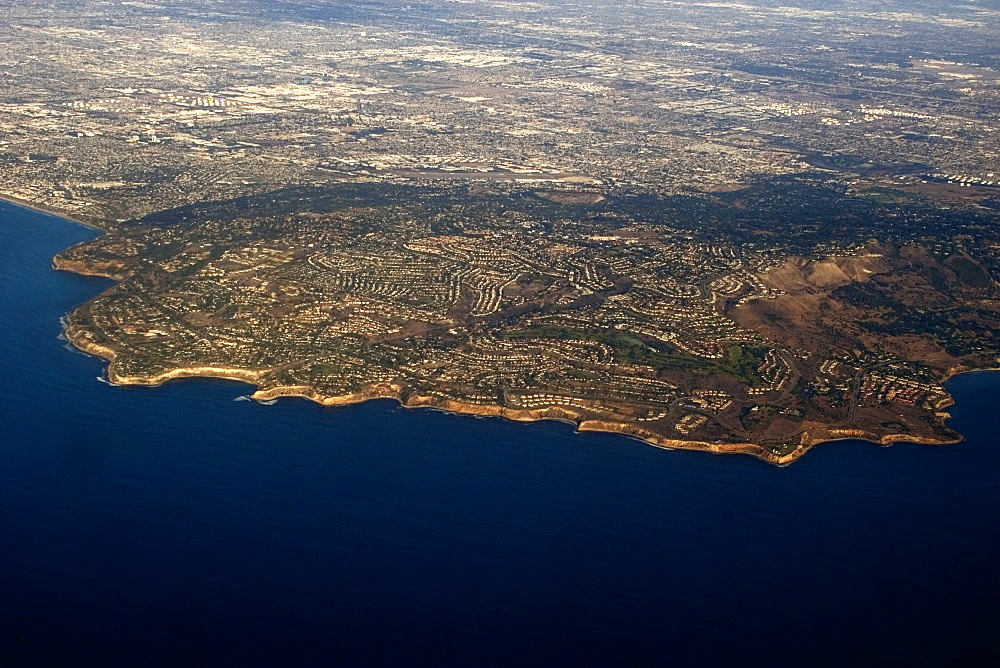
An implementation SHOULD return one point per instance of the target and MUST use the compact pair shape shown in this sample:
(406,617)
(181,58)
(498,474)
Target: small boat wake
(264,402)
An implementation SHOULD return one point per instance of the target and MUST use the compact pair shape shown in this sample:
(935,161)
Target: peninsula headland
(605,313)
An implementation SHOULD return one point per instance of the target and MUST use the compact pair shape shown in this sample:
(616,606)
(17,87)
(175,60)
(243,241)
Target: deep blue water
(174,526)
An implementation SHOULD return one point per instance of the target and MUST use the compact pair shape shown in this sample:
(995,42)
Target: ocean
(178,526)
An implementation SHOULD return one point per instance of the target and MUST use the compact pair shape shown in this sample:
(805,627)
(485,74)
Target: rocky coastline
(808,439)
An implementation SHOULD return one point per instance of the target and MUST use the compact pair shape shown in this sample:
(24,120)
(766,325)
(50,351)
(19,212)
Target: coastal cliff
(809,438)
